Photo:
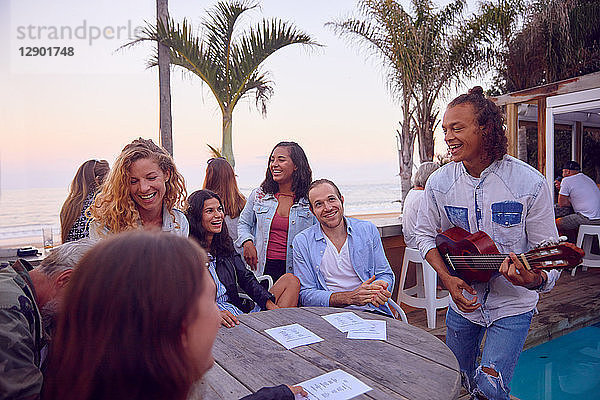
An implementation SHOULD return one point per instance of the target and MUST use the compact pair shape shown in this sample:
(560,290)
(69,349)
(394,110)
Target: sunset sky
(57,112)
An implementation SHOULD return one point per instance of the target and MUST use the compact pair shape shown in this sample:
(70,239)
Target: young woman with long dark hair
(206,216)
(277,211)
(74,224)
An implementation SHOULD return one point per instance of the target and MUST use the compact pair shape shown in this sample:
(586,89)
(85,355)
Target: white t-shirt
(337,268)
(583,193)
(410,211)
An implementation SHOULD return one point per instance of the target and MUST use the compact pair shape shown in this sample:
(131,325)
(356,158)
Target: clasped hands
(512,269)
(370,291)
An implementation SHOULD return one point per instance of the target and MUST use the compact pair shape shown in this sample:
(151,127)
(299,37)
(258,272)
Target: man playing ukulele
(484,189)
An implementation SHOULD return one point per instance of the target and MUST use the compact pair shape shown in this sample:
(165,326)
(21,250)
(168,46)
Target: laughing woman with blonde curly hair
(143,190)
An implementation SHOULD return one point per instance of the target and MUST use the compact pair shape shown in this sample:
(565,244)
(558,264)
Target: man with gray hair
(29,301)
(412,201)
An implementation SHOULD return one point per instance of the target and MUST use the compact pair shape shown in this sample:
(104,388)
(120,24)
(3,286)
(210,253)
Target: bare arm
(563,201)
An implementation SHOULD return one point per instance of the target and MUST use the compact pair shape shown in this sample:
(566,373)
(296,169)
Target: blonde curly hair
(114,209)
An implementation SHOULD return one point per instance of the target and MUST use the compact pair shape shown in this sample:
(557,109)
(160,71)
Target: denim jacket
(255,224)
(366,254)
(512,203)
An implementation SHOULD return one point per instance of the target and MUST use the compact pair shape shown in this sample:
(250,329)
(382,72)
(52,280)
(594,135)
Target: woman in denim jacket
(276,212)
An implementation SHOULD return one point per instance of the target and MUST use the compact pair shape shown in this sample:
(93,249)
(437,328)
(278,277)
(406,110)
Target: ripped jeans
(503,345)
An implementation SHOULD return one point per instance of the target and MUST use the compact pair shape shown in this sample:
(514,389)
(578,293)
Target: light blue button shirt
(512,203)
(255,224)
(366,254)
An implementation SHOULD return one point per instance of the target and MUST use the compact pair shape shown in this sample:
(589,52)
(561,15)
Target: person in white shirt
(412,201)
(340,261)
(580,192)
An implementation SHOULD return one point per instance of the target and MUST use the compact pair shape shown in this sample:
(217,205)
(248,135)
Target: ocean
(23,212)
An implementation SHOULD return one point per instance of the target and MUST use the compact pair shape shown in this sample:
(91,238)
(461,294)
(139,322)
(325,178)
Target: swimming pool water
(564,368)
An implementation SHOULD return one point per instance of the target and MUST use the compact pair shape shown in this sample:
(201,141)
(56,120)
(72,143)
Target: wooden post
(512,121)
(578,142)
(541,134)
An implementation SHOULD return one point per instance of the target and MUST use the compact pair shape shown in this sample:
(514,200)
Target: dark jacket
(232,272)
(281,392)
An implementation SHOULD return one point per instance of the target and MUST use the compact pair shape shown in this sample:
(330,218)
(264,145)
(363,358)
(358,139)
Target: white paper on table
(374,329)
(293,335)
(334,385)
(345,321)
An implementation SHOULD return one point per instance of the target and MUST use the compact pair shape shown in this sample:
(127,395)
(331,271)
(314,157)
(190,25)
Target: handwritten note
(345,321)
(373,329)
(334,385)
(293,335)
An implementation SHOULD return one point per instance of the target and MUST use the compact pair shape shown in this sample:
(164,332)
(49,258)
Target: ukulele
(475,257)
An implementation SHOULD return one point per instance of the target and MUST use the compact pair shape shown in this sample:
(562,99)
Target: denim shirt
(255,224)
(366,254)
(512,203)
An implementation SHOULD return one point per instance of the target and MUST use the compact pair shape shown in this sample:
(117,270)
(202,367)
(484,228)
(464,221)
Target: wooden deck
(573,303)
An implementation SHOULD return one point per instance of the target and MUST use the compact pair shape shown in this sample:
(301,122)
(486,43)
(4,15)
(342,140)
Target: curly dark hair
(221,244)
(301,178)
(490,117)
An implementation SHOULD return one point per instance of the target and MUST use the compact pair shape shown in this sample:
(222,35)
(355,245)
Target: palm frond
(214,152)
(254,46)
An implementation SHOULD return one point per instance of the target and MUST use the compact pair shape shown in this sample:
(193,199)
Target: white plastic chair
(398,309)
(585,238)
(424,293)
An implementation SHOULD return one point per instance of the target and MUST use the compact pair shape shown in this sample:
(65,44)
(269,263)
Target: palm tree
(557,40)
(423,53)
(164,82)
(387,34)
(226,59)
(440,52)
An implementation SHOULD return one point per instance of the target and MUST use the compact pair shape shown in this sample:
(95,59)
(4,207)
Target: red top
(277,246)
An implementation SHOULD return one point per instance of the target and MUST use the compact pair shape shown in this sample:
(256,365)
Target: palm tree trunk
(406,143)
(227,145)
(164,82)
(425,126)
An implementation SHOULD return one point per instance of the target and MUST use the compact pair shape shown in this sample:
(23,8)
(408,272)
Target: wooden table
(411,364)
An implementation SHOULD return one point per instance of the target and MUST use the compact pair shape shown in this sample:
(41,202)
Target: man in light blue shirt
(340,261)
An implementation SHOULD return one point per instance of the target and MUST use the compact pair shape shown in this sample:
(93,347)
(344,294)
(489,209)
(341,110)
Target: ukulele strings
(481,261)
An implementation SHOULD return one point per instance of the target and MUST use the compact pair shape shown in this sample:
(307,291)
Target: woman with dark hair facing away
(139,322)
(220,178)
(484,189)
(142,191)
(205,214)
(276,211)
(74,224)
